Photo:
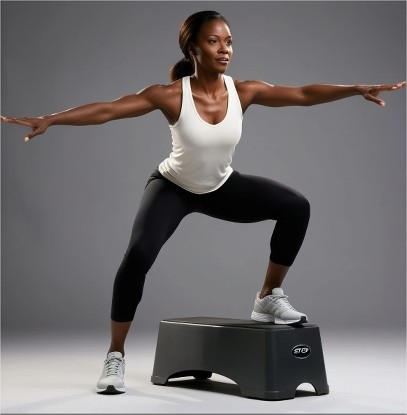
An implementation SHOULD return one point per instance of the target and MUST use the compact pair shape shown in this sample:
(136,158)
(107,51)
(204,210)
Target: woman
(204,108)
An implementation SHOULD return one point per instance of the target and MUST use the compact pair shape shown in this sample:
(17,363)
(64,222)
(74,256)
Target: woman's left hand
(371,92)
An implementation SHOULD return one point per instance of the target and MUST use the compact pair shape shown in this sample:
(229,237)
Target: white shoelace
(282,302)
(112,366)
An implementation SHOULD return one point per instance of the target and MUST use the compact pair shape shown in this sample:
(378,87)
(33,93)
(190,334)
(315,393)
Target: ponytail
(182,68)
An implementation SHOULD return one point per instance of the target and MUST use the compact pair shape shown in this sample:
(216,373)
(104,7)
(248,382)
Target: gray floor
(56,373)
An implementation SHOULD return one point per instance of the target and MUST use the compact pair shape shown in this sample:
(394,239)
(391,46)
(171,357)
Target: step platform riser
(267,361)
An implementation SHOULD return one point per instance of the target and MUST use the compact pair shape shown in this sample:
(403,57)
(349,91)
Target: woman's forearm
(88,114)
(321,93)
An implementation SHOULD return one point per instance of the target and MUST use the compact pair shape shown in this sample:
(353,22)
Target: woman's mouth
(223,61)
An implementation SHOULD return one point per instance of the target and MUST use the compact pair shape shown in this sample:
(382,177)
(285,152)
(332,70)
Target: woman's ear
(191,50)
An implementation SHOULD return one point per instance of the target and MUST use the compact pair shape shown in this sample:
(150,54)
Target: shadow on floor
(224,388)
(206,385)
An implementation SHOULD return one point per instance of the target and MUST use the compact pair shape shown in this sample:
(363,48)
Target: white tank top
(202,153)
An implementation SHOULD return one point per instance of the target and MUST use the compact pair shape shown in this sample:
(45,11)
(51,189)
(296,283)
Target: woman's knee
(300,207)
(139,255)
(305,205)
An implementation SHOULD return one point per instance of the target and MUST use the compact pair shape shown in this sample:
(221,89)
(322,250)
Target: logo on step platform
(301,351)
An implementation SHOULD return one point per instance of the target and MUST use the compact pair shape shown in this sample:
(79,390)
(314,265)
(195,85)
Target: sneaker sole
(110,390)
(268,318)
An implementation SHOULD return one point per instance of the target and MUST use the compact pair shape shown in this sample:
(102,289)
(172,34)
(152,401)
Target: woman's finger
(399,85)
(391,86)
(19,120)
(31,135)
(35,132)
(372,98)
(6,119)
(376,89)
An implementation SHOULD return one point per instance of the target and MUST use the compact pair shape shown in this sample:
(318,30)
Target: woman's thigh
(161,209)
(248,198)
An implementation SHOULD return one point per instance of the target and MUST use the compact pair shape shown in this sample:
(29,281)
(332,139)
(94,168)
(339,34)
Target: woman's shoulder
(164,90)
(162,95)
(249,90)
(249,85)
(166,97)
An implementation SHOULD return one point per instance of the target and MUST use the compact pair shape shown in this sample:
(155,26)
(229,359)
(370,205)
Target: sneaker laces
(112,366)
(281,301)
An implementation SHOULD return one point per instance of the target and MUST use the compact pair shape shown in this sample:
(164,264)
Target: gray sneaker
(275,308)
(111,381)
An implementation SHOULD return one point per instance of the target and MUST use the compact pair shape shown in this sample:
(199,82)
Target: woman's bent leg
(245,198)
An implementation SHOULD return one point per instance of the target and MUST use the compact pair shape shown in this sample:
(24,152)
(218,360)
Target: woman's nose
(223,48)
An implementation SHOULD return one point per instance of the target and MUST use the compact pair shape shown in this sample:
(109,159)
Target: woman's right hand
(38,124)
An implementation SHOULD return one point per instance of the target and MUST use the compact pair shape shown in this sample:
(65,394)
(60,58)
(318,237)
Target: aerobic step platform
(267,361)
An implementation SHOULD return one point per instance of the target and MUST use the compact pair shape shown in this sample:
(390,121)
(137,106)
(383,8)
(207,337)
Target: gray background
(69,197)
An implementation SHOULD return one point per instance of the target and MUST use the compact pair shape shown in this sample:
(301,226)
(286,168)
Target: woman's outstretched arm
(262,93)
(134,105)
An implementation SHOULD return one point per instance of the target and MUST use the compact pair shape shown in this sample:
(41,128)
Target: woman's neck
(207,83)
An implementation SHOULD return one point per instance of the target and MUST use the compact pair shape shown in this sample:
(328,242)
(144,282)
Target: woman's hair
(188,34)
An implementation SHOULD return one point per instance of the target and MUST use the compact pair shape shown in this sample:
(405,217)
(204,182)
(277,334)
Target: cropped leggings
(242,198)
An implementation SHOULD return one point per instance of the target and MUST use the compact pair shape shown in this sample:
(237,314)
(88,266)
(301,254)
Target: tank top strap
(186,86)
(233,95)
(187,101)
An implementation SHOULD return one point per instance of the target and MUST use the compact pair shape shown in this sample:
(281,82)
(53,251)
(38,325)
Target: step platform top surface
(232,322)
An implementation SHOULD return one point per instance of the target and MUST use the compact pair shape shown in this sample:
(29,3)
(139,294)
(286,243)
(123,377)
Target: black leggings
(242,198)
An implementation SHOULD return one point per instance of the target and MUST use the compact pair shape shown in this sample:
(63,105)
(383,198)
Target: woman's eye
(213,41)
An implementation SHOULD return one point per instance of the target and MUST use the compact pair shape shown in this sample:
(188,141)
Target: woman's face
(213,48)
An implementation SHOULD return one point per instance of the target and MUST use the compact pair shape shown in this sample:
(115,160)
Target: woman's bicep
(134,105)
(263,93)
